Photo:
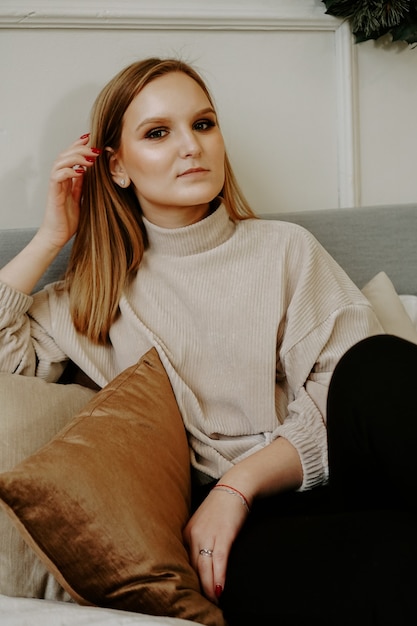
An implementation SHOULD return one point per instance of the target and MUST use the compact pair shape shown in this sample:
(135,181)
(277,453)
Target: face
(171,151)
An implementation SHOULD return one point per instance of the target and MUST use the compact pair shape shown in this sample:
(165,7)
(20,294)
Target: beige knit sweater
(249,320)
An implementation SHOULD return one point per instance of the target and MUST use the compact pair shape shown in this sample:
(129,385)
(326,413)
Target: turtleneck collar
(202,236)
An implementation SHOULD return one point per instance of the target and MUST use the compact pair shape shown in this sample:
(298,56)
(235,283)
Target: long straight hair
(111,237)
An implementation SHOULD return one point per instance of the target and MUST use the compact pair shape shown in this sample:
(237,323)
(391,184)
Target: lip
(193,170)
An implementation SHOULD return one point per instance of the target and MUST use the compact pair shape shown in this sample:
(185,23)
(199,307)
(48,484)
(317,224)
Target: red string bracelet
(234,492)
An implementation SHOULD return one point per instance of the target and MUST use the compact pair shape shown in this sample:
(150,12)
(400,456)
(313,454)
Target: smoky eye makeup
(204,124)
(156,133)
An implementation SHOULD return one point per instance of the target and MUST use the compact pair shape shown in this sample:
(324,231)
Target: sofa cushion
(32,412)
(105,502)
(34,612)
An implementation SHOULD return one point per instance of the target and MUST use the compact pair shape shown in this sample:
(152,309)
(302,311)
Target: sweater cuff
(313,457)
(13,300)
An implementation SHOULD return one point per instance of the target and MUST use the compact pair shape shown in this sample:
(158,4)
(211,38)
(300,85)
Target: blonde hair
(111,237)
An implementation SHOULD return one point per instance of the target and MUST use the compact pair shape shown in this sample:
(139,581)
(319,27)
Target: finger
(212,575)
(78,153)
(85,158)
(77,188)
(85,138)
(220,559)
(212,571)
(205,573)
(195,556)
(66,174)
(71,165)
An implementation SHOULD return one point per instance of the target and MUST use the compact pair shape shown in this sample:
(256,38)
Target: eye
(202,125)
(156,133)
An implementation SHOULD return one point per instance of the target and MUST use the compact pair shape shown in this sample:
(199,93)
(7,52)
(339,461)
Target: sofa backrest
(13,240)
(364,241)
(367,240)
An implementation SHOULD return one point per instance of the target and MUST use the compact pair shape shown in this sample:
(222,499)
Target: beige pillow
(105,502)
(388,307)
(32,411)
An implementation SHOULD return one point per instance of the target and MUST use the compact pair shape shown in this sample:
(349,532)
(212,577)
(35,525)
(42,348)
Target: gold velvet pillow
(104,503)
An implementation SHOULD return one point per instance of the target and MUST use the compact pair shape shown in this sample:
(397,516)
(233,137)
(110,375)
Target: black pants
(344,554)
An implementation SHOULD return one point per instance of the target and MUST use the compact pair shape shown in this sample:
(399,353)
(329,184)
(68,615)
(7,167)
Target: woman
(250,319)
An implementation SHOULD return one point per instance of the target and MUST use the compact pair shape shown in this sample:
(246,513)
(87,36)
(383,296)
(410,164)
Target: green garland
(371,19)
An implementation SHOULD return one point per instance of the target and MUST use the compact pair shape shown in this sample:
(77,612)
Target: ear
(117,169)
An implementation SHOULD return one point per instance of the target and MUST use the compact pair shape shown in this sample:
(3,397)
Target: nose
(189,144)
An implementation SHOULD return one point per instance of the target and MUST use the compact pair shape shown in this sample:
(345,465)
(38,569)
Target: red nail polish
(90,159)
(85,136)
(218,591)
(96,150)
(79,170)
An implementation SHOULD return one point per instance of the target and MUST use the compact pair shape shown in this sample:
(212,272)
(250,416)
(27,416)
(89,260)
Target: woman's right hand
(62,212)
(60,220)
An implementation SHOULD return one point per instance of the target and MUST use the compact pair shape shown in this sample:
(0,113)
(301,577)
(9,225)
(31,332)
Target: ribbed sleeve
(16,351)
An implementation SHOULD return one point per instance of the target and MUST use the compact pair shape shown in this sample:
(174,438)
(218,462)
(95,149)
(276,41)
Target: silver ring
(205,552)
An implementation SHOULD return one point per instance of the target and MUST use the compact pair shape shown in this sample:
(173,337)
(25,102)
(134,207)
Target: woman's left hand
(215,525)
(209,536)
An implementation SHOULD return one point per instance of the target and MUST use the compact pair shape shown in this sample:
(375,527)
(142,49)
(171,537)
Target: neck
(193,239)
(177,217)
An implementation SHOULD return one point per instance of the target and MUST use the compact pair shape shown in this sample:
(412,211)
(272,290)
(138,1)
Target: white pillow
(389,308)
(410,305)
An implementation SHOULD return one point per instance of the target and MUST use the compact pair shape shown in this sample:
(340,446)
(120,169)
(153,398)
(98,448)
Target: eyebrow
(162,120)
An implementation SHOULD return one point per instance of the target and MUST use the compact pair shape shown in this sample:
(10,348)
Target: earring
(122,182)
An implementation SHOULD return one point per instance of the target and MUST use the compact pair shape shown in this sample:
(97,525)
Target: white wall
(310,120)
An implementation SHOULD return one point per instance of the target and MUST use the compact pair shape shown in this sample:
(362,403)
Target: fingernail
(96,150)
(218,591)
(85,136)
(79,170)
(90,159)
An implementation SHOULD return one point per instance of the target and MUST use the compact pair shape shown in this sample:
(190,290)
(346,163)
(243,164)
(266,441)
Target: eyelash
(155,132)
(209,124)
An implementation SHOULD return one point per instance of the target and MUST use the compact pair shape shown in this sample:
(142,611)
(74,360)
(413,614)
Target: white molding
(286,15)
(166,14)
(347,107)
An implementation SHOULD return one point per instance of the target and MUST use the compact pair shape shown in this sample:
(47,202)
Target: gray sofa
(368,240)
(365,241)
